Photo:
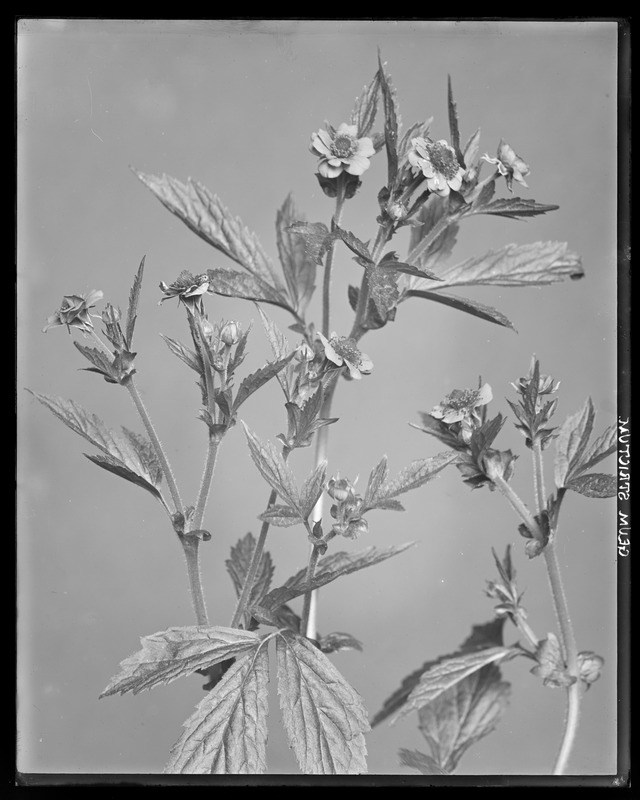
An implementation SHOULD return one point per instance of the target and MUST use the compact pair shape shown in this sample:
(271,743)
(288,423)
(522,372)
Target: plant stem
(358,331)
(567,636)
(190,546)
(326,283)
(205,482)
(255,559)
(306,608)
(518,506)
(157,445)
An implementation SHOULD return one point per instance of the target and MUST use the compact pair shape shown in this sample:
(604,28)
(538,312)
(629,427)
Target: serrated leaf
(551,667)
(364,112)
(323,715)
(603,446)
(483,437)
(420,761)
(189,357)
(482,637)
(336,641)
(227,734)
(435,427)
(513,208)
(435,212)
(146,453)
(463,715)
(594,484)
(390,122)
(446,674)
(316,238)
(453,123)
(534,264)
(134,297)
(377,478)
(471,149)
(416,130)
(206,216)
(415,475)
(298,266)
(116,467)
(121,452)
(306,421)
(312,489)
(231,283)
(353,243)
(101,362)
(277,340)
(327,570)
(472,307)
(177,652)
(273,469)
(571,442)
(258,379)
(238,568)
(281,516)
(383,289)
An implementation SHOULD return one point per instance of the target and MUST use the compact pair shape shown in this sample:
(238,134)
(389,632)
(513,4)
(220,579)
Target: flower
(461,405)
(438,163)
(230,333)
(343,350)
(509,165)
(74,311)
(341,151)
(546,384)
(187,288)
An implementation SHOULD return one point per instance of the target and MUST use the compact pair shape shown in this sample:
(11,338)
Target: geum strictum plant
(433,185)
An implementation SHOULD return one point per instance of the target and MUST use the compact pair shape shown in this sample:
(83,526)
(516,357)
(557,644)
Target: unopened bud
(340,489)
(356,528)
(111,315)
(589,666)
(230,333)
(397,211)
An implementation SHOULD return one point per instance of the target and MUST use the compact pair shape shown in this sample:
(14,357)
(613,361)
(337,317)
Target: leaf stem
(326,283)
(518,506)
(255,559)
(156,443)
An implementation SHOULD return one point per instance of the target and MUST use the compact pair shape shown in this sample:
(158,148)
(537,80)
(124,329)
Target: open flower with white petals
(461,407)
(438,162)
(341,151)
(343,351)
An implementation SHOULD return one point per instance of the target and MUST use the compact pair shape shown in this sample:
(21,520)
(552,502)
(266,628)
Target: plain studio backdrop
(233,105)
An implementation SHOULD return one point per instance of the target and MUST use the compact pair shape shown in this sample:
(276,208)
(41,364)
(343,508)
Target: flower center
(344,146)
(347,348)
(461,398)
(443,160)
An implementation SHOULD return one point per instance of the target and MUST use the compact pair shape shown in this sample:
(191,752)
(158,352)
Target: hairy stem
(518,506)
(190,546)
(205,482)
(157,445)
(255,560)
(326,283)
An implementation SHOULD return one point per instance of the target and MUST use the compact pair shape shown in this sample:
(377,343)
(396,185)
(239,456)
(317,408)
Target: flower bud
(340,489)
(356,528)
(589,666)
(230,333)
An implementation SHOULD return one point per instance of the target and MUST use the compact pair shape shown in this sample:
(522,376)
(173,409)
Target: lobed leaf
(416,474)
(206,216)
(298,266)
(273,469)
(178,652)
(535,264)
(594,484)
(328,569)
(227,733)
(324,717)
(472,307)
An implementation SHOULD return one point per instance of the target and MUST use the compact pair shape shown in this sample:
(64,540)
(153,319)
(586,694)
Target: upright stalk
(567,636)
(328,267)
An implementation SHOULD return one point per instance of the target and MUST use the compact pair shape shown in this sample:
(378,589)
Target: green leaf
(189,357)
(423,763)
(298,266)
(177,652)
(383,289)
(312,489)
(206,216)
(417,129)
(123,456)
(377,478)
(146,453)
(390,122)
(316,238)
(227,733)
(513,208)
(336,641)
(132,311)
(447,674)
(434,212)
(364,112)
(604,445)
(102,364)
(281,516)
(571,442)
(472,307)
(463,715)
(278,341)
(594,484)
(453,123)
(323,715)
(353,243)
(328,569)
(238,568)
(533,264)
(416,474)
(258,379)
(482,636)
(273,469)
(471,149)
(231,283)
(551,667)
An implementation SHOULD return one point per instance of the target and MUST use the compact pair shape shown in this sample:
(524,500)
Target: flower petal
(350,130)
(357,165)
(328,171)
(365,147)
(353,371)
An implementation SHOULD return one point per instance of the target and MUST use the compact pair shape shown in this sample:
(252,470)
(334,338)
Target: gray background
(233,105)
